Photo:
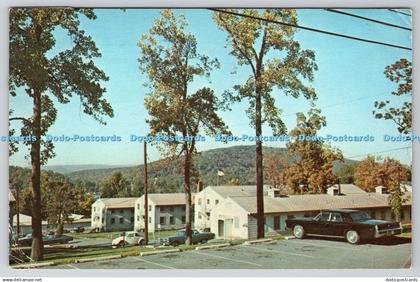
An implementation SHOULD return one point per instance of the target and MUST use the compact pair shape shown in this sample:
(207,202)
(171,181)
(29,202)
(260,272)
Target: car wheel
(298,231)
(141,242)
(175,243)
(352,237)
(122,244)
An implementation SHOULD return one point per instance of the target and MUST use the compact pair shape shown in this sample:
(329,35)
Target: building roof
(118,203)
(24,220)
(167,199)
(349,189)
(11,197)
(316,202)
(236,191)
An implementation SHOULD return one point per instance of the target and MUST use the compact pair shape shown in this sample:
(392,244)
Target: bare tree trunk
(259,163)
(37,244)
(187,191)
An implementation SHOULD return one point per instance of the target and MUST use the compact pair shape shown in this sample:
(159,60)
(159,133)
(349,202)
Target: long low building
(113,214)
(235,216)
(166,211)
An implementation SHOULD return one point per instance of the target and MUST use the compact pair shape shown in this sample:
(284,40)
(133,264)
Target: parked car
(47,239)
(353,225)
(77,229)
(131,238)
(179,238)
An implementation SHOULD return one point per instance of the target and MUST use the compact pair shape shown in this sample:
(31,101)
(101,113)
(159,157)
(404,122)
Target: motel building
(166,211)
(113,214)
(234,215)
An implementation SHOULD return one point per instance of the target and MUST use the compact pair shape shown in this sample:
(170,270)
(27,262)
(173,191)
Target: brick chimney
(199,186)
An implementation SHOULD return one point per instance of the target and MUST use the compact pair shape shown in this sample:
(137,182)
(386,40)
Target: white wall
(204,203)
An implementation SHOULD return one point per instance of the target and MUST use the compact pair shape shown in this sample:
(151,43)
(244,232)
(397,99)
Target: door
(228,228)
(221,228)
(337,225)
(320,225)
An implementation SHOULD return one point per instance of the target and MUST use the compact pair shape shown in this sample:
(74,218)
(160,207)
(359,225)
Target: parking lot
(284,254)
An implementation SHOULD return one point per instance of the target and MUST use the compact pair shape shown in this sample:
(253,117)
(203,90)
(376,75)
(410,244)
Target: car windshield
(359,216)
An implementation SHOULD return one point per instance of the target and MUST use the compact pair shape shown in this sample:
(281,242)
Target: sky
(349,80)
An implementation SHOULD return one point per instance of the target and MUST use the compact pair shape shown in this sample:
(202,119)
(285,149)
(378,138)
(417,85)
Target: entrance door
(221,225)
(228,228)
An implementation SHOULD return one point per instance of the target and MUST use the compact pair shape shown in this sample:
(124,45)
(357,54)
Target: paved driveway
(286,254)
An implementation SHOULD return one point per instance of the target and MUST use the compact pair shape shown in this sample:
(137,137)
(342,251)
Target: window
(121,211)
(216,202)
(132,219)
(325,216)
(150,220)
(94,209)
(290,216)
(208,215)
(171,208)
(162,220)
(236,222)
(138,218)
(199,201)
(383,214)
(121,220)
(208,201)
(171,220)
(276,222)
(112,220)
(402,215)
(199,216)
(183,208)
(183,219)
(138,206)
(336,217)
(112,211)
(150,207)
(103,219)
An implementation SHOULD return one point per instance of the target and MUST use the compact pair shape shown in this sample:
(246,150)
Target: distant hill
(236,162)
(64,169)
(166,176)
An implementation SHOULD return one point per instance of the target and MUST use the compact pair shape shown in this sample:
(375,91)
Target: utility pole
(146,204)
(17,211)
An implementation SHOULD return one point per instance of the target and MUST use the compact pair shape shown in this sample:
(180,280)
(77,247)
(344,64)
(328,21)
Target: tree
(312,170)
(370,174)
(171,61)
(346,173)
(59,200)
(251,42)
(366,174)
(42,72)
(115,185)
(274,167)
(400,72)
(233,182)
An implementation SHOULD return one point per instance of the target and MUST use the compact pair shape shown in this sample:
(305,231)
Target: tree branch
(20,118)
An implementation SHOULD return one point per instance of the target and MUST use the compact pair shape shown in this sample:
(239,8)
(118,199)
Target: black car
(353,225)
(48,240)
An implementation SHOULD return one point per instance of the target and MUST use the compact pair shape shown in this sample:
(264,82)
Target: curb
(212,246)
(33,265)
(289,237)
(142,254)
(257,241)
(98,258)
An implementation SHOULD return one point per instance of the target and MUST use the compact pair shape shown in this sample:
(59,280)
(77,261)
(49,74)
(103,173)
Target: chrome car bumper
(388,232)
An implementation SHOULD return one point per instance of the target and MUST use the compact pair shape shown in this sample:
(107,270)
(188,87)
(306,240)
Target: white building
(211,196)
(235,216)
(113,214)
(166,211)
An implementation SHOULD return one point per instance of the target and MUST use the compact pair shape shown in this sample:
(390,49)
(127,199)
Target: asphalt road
(285,254)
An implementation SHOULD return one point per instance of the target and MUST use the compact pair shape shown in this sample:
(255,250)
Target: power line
(367,19)
(312,29)
(380,152)
(399,12)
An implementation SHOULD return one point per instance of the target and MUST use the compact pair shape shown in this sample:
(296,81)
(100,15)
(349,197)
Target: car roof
(342,211)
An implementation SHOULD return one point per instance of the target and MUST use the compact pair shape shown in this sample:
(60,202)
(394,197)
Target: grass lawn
(115,234)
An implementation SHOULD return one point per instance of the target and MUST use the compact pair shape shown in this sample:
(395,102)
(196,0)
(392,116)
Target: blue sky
(350,78)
